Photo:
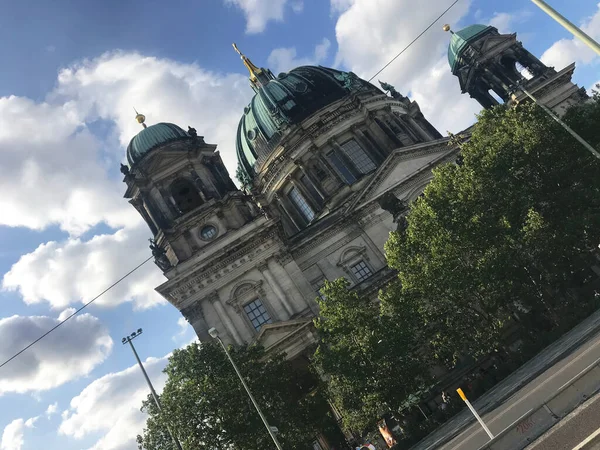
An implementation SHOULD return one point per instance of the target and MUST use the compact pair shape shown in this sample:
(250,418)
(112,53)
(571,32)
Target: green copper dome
(287,100)
(151,137)
(461,39)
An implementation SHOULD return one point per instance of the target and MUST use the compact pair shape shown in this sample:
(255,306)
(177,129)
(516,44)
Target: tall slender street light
(548,111)
(576,31)
(129,339)
(215,334)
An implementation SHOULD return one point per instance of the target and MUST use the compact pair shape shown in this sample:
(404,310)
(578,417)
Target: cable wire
(75,313)
(410,44)
(414,40)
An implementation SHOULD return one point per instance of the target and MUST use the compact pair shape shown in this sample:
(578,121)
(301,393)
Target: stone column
(337,148)
(379,134)
(195,316)
(312,202)
(366,144)
(415,126)
(287,307)
(299,286)
(225,319)
(169,202)
(281,203)
(309,178)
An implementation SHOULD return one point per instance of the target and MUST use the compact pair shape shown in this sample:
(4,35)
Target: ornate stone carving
(193,313)
(284,258)
(160,256)
(243,292)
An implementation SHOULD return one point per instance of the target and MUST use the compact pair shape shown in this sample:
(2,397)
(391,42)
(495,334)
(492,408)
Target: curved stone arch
(414,193)
(351,253)
(244,289)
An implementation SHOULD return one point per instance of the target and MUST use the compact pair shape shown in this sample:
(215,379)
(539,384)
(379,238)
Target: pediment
(165,160)
(490,43)
(400,167)
(285,336)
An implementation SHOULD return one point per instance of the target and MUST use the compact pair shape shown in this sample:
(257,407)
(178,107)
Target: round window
(208,232)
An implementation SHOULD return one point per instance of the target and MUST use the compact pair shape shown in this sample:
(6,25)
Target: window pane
(358,156)
(341,168)
(361,271)
(257,314)
(304,208)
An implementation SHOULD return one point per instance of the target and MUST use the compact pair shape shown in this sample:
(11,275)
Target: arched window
(186,195)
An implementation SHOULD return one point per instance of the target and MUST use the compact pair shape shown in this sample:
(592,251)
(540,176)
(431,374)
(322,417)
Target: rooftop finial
(447,28)
(140,118)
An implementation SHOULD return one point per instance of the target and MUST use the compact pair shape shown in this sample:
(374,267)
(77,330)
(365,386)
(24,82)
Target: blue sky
(72,72)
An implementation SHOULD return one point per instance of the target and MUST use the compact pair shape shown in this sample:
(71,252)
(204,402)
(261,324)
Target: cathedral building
(327,162)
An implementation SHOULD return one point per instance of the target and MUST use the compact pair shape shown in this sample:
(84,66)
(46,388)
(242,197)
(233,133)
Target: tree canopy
(206,406)
(371,362)
(510,229)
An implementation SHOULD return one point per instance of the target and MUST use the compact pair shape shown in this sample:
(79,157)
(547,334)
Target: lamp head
(213,333)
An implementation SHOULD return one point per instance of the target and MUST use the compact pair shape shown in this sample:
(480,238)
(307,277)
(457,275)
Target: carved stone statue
(192,132)
(124,169)
(396,207)
(160,256)
(392,90)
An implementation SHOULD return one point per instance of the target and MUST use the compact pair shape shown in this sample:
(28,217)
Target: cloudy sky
(72,72)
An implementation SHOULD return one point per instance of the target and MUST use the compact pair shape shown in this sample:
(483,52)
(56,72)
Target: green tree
(207,407)
(511,228)
(370,362)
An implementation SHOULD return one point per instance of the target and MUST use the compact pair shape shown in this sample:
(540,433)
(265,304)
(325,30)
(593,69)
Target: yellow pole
(464,398)
(576,31)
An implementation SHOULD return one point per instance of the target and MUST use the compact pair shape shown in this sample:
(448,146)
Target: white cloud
(163,90)
(111,405)
(75,271)
(259,12)
(12,437)
(52,409)
(505,22)
(371,32)
(564,52)
(70,352)
(502,21)
(298,6)
(50,172)
(105,88)
(284,59)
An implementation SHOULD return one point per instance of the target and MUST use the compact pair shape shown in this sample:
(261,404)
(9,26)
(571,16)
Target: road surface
(499,411)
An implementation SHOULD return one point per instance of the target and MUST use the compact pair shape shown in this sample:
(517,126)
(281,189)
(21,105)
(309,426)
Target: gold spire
(140,118)
(254,71)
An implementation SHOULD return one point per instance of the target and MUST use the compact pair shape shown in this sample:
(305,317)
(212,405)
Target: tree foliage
(370,362)
(510,229)
(205,404)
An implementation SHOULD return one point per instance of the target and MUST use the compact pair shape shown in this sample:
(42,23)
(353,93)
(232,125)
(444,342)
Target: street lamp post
(548,111)
(129,339)
(215,334)
(576,31)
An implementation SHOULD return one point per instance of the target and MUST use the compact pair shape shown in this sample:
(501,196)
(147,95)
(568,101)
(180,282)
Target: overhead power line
(75,313)
(141,264)
(409,45)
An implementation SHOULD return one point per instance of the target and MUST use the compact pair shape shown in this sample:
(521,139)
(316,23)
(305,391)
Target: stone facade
(250,263)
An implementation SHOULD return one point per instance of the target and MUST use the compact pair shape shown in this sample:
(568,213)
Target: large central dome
(286,100)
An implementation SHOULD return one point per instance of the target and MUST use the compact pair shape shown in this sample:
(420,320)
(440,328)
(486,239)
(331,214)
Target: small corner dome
(152,137)
(460,40)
